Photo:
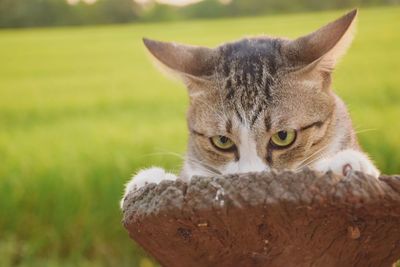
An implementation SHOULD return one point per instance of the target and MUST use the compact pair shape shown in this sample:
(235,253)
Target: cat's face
(239,125)
(259,103)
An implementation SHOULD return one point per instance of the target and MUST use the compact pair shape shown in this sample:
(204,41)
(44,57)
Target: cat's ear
(194,62)
(323,48)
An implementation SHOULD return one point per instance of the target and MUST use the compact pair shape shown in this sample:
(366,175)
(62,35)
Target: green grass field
(81,109)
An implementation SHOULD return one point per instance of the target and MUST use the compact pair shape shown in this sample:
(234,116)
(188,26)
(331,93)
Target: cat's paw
(347,161)
(144,177)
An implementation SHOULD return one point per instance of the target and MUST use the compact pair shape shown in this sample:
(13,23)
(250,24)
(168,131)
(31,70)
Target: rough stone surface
(269,219)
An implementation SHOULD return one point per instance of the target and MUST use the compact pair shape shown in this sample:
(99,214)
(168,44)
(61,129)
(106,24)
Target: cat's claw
(347,161)
(147,176)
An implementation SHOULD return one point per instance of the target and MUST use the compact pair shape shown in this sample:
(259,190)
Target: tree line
(34,13)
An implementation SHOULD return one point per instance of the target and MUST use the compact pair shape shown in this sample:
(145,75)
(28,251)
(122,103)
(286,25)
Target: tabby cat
(263,103)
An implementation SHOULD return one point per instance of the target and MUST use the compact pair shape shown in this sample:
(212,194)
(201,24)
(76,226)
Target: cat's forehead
(250,56)
(248,72)
(254,87)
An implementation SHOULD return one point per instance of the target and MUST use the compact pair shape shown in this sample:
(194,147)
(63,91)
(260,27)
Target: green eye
(283,139)
(222,142)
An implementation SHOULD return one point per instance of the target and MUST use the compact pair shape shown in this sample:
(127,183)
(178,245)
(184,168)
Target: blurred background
(82,108)
(28,13)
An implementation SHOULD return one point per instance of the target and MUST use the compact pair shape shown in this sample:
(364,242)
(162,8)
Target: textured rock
(269,219)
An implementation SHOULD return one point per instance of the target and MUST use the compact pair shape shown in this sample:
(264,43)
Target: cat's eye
(283,138)
(222,142)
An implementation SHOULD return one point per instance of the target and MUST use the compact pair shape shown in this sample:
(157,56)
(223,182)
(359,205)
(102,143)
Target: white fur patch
(356,160)
(147,176)
(249,160)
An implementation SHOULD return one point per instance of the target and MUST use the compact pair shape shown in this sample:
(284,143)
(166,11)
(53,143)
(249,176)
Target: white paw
(346,161)
(147,176)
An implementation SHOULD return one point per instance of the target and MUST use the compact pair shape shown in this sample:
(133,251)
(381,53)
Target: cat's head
(258,103)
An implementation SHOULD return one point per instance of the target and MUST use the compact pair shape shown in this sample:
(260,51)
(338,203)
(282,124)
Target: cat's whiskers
(319,153)
(211,170)
(304,163)
(310,156)
(309,163)
(312,161)
(364,130)
(163,153)
(207,168)
(360,129)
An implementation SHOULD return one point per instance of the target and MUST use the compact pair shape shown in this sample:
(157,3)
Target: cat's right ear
(191,63)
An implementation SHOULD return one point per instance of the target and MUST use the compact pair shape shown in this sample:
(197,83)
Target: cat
(263,103)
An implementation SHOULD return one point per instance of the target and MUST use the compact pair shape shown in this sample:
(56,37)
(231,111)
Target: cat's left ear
(189,62)
(323,48)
